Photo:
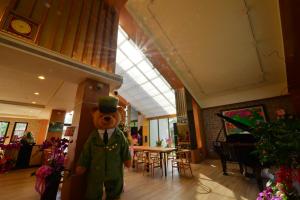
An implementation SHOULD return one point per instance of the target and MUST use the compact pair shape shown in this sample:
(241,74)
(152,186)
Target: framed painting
(250,116)
(56,127)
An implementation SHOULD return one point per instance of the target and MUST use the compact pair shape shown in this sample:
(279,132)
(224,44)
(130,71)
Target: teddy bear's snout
(107,118)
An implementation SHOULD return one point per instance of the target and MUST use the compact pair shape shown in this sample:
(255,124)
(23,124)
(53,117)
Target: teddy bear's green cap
(108,104)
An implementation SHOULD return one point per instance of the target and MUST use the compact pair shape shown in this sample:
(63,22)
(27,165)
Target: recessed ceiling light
(33,102)
(41,77)
(36,93)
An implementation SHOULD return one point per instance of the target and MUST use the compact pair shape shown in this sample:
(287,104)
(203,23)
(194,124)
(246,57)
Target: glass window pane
(121,37)
(18,131)
(153,132)
(163,130)
(3,129)
(134,54)
(125,64)
(144,66)
(171,129)
(151,74)
(120,56)
(69,117)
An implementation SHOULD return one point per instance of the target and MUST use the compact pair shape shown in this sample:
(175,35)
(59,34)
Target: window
(142,80)
(18,131)
(153,132)
(162,129)
(3,130)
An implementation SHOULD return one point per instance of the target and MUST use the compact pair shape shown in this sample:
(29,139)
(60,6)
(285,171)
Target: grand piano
(239,148)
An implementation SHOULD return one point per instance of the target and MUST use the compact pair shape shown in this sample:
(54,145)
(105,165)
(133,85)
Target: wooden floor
(208,183)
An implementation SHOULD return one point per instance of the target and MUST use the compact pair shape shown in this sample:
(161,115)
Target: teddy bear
(105,153)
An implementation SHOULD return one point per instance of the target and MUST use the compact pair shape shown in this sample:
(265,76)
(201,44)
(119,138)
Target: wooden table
(161,150)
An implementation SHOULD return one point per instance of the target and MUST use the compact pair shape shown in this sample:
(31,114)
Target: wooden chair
(139,158)
(182,162)
(153,161)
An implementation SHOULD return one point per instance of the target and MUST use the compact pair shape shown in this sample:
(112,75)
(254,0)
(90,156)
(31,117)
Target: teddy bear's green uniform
(104,164)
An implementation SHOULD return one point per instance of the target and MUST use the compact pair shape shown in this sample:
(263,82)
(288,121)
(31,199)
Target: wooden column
(195,128)
(290,15)
(87,96)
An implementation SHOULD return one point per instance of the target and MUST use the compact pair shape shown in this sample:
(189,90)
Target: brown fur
(100,123)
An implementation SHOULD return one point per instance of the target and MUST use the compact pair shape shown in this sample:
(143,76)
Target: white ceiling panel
(218,49)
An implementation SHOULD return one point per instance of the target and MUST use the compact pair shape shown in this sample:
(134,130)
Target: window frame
(5,134)
(13,131)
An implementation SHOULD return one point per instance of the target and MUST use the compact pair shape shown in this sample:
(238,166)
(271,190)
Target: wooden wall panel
(63,12)
(91,33)
(71,28)
(114,42)
(39,11)
(25,8)
(99,37)
(79,43)
(106,40)
(47,33)
(85,30)
(3,5)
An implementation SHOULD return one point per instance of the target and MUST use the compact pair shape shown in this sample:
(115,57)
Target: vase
(51,187)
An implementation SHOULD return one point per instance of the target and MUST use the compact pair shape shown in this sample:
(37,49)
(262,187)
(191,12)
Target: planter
(51,187)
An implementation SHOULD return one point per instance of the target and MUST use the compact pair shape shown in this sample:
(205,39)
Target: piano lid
(238,124)
(242,138)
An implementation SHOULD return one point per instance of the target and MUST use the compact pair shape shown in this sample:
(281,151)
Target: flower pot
(51,187)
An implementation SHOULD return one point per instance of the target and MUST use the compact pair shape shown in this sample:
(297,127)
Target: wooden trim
(161,117)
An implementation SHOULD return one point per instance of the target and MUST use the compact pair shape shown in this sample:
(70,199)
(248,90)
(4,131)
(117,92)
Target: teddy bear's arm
(125,153)
(85,158)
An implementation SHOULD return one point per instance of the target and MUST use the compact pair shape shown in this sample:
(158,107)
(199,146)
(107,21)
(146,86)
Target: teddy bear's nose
(107,118)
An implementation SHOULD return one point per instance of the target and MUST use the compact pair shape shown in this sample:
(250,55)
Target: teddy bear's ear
(120,109)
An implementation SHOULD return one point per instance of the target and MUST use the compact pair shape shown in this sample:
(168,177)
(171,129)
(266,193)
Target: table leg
(165,163)
(133,163)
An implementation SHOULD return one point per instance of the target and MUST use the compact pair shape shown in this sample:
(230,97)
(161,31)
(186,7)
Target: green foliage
(279,142)
(159,143)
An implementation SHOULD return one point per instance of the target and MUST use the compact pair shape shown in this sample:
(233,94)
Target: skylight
(143,85)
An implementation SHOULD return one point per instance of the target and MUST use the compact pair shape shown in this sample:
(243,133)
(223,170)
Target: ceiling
(223,51)
(19,80)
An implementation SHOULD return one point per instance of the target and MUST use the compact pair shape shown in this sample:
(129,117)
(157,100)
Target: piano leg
(241,168)
(224,166)
(257,171)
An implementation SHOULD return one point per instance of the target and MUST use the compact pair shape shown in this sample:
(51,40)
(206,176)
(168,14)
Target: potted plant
(48,176)
(7,156)
(159,142)
(279,145)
